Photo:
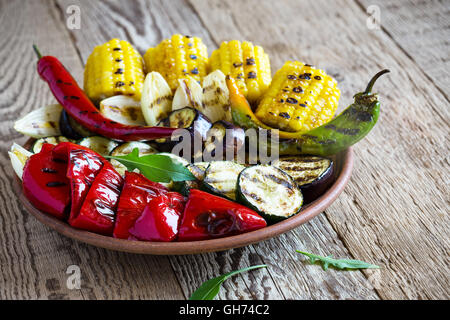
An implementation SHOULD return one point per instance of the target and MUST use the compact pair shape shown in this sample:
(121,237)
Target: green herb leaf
(338,263)
(156,167)
(209,289)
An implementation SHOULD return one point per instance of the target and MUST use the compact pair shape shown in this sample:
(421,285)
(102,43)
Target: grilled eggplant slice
(101,145)
(72,129)
(37,145)
(123,109)
(126,148)
(40,123)
(156,101)
(222,132)
(221,177)
(312,174)
(270,191)
(187,118)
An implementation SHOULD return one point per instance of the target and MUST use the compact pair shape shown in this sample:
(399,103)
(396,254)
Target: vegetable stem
(375,78)
(38,53)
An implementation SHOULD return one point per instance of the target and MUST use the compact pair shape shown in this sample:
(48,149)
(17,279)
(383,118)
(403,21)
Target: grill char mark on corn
(246,63)
(114,68)
(307,95)
(180,57)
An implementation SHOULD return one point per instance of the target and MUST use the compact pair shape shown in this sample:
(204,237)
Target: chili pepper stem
(375,78)
(38,53)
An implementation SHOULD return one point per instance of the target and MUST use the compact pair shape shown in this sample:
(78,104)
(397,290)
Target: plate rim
(194,247)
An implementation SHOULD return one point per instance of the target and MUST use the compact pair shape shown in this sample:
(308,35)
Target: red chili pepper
(207,216)
(45,183)
(97,213)
(82,166)
(160,219)
(80,107)
(136,194)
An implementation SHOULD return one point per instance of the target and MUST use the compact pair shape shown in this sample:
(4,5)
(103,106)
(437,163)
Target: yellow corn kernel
(246,63)
(114,68)
(180,57)
(299,98)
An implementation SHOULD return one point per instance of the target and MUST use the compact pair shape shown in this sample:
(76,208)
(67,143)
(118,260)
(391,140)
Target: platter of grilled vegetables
(72,174)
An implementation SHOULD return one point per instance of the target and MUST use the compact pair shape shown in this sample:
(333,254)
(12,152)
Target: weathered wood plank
(395,208)
(34,259)
(165,19)
(292,276)
(393,213)
(422,30)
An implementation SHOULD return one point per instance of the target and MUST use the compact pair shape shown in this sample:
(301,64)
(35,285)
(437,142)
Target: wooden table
(393,213)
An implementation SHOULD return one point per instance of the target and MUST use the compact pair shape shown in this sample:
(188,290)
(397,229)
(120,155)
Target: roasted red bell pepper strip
(82,166)
(161,218)
(207,216)
(45,183)
(97,213)
(136,194)
(80,107)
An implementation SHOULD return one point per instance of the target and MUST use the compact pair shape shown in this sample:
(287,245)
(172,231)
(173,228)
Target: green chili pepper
(353,124)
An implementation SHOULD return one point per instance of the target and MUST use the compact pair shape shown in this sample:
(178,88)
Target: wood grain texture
(422,30)
(165,20)
(34,259)
(395,208)
(393,213)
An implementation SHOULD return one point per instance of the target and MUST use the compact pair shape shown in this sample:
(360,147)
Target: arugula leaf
(156,167)
(338,263)
(209,289)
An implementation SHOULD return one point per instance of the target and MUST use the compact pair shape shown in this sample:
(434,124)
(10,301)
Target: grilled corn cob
(299,98)
(114,68)
(246,63)
(180,57)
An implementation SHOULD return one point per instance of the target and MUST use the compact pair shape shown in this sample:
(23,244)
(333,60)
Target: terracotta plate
(343,162)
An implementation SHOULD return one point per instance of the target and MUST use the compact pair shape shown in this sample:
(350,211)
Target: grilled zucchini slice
(37,146)
(220,178)
(101,145)
(312,174)
(269,191)
(198,169)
